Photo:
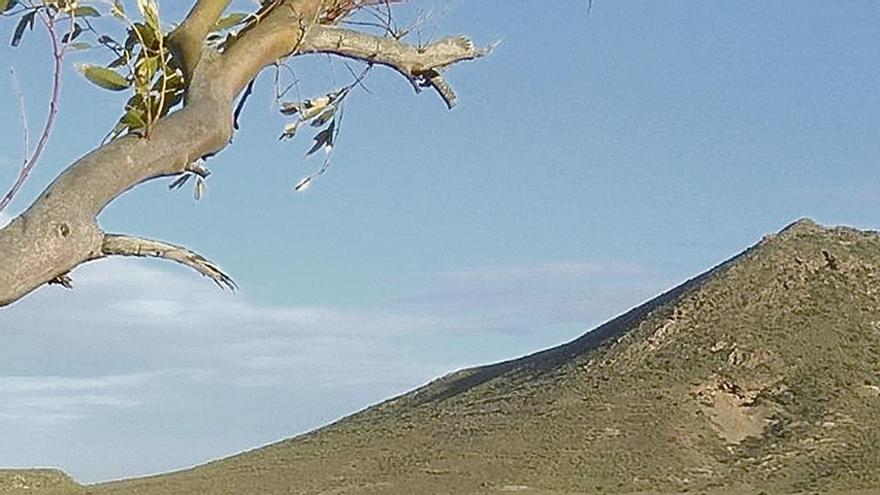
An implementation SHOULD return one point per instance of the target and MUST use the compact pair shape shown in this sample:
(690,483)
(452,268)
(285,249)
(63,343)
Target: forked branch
(421,65)
(188,39)
(59,231)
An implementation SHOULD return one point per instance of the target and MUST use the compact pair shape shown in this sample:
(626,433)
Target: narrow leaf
(290,107)
(110,43)
(313,108)
(80,45)
(119,62)
(324,117)
(303,184)
(150,11)
(322,139)
(180,181)
(86,11)
(289,130)
(104,77)
(199,190)
(72,35)
(27,21)
(117,9)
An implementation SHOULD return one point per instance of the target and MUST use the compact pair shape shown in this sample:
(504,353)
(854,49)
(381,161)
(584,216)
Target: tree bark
(59,231)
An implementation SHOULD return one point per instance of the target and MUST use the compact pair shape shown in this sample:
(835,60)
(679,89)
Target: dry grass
(759,376)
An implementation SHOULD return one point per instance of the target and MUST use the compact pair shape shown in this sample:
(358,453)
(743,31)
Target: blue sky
(594,161)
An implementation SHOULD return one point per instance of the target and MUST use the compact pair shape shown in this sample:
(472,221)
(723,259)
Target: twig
(29,163)
(22,112)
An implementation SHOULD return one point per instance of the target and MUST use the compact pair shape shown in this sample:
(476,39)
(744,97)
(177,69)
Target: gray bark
(60,231)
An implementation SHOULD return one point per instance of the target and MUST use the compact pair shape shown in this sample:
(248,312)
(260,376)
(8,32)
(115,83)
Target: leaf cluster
(322,111)
(141,62)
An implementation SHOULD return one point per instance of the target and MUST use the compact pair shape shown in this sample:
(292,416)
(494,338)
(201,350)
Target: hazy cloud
(12,385)
(138,343)
(44,402)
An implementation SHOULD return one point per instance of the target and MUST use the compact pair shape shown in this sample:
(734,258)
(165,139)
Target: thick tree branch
(421,65)
(123,245)
(59,231)
(276,36)
(187,41)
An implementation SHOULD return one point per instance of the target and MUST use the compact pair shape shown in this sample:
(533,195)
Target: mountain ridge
(760,374)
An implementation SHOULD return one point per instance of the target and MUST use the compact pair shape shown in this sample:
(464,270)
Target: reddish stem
(29,163)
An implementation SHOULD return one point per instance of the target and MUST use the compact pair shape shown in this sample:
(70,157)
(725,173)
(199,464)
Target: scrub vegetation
(759,376)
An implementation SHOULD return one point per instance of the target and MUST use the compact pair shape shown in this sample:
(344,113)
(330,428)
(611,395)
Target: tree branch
(278,35)
(187,41)
(123,245)
(421,65)
(59,231)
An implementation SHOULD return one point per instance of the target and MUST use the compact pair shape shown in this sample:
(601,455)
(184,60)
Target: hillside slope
(762,374)
(40,481)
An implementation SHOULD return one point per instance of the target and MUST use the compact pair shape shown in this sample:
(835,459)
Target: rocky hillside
(760,375)
(39,481)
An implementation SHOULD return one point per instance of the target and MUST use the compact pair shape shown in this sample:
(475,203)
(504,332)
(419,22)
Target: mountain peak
(800,226)
(759,374)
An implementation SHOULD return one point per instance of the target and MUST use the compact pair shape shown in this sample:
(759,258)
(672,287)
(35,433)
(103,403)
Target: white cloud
(66,403)
(138,343)
(11,385)
(40,403)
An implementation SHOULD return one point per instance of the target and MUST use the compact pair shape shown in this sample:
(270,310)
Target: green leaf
(150,10)
(134,118)
(117,10)
(145,69)
(86,11)
(104,77)
(131,121)
(5,5)
(230,21)
(26,22)
(80,45)
(144,33)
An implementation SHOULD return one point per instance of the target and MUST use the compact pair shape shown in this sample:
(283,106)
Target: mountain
(39,481)
(762,374)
